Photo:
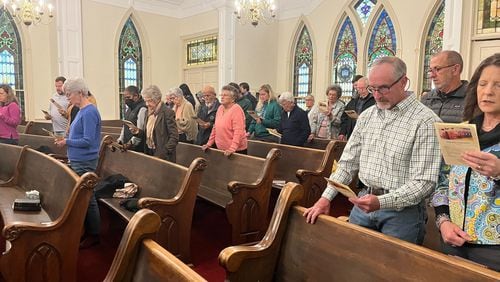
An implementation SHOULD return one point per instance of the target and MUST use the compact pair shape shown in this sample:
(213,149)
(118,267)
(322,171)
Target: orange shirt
(228,132)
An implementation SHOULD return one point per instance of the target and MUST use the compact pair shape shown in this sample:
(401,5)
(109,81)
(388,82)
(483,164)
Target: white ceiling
(186,8)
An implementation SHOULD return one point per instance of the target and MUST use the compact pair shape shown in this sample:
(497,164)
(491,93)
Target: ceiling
(186,8)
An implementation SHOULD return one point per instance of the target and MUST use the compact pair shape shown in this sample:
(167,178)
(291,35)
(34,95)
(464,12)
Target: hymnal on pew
(342,188)
(455,139)
(27,205)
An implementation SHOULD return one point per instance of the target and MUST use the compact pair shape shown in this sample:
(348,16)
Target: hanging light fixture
(254,11)
(30,12)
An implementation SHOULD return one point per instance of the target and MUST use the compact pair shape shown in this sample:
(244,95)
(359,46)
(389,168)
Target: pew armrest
(231,258)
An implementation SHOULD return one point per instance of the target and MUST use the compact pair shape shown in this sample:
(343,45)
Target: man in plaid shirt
(395,149)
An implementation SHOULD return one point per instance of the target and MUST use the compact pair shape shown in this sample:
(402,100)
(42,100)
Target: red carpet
(210,234)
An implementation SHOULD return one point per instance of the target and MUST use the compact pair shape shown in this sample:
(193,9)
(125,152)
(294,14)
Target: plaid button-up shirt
(394,149)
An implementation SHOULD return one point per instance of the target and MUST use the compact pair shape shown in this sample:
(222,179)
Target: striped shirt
(394,149)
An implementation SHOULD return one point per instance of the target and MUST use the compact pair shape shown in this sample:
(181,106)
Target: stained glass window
(433,43)
(130,58)
(202,51)
(344,57)
(485,22)
(364,9)
(382,39)
(11,64)
(303,63)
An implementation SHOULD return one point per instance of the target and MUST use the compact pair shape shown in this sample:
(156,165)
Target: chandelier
(30,12)
(495,10)
(254,11)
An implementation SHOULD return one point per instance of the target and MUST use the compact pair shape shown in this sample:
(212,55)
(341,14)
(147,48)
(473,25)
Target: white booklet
(455,139)
(342,188)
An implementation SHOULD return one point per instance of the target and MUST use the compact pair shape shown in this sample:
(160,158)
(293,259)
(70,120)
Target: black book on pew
(27,205)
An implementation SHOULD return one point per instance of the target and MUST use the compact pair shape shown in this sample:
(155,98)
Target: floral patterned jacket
(479,213)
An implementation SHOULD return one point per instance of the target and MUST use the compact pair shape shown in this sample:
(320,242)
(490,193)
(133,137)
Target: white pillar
(452,25)
(226,45)
(69,37)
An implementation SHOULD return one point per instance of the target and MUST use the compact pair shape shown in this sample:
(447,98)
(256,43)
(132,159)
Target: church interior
(296,46)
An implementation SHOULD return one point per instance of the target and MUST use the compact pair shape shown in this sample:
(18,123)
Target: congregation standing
(391,143)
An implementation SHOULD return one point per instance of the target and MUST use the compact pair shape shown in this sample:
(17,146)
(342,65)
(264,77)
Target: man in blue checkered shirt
(395,150)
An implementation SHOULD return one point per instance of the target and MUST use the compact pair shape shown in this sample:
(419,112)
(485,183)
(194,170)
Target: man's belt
(376,191)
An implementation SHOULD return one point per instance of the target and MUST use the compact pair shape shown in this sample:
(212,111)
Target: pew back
(292,158)
(10,157)
(112,122)
(240,183)
(38,142)
(318,143)
(334,249)
(138,258)
(43,245)
(111,129)
(37,127)
(167,188)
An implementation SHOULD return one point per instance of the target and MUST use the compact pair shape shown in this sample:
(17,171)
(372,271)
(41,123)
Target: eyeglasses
(435,70)
(384,89)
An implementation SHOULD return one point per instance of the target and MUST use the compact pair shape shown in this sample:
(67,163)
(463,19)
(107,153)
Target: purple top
(10,118)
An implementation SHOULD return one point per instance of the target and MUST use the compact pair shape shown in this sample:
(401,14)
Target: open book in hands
(273,132)
(253,114)
(130,125)
(352,114)
(342,188)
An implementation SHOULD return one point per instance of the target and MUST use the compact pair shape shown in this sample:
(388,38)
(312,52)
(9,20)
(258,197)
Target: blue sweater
(85,135)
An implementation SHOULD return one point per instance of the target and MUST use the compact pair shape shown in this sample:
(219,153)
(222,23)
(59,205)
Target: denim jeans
(407,224)
(9,141)
(93,217)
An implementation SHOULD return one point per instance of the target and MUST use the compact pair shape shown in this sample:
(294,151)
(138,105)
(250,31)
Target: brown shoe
(89,241)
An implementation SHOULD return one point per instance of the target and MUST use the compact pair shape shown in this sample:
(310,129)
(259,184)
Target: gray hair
(363,79)
(452,57)
(399,67)
(309,97)
(175,91)
(76,85)
(152,92)
(235,93)
(336,88)
(286,96)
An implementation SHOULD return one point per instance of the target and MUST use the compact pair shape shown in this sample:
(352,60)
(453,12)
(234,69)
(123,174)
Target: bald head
(208,92)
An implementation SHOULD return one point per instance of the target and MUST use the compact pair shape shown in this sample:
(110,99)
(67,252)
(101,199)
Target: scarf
(150,125)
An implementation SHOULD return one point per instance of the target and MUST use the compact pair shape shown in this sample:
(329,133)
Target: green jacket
(272,119)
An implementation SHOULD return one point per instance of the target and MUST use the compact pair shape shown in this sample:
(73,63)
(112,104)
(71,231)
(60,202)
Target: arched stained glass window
(364,9)
(344,57)
(11,60)
(382,39)
(303,65)
(433,43)
(130,58)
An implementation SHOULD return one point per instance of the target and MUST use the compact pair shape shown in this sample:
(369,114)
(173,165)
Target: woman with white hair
(294,126)
(160,130)
(83,149)
(184,113)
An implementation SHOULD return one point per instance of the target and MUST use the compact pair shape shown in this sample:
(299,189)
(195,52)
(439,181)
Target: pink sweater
(10,118)
(229,129)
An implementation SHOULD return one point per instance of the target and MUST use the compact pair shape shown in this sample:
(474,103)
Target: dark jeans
(9,141)
(93,217)
(488,255)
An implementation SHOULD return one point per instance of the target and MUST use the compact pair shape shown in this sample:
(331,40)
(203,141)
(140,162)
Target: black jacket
(449,107)
(294,129)
(346,123)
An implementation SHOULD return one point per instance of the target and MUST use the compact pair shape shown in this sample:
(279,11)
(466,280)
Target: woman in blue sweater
(83,149)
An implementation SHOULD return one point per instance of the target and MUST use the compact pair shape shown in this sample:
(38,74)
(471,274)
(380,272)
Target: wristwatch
(440,219)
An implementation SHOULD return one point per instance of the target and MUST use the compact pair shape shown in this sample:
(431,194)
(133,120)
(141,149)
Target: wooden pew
(112,122)
(166,188)
(37,127)
(37,141)
(43,246)
(318,143)
(333,250)
(111,129)
(308,166)
(139,258)
(8,162)
(241,184)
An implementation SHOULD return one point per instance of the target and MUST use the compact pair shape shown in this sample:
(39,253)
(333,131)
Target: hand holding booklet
(253,114)
(352,114)
(456,139)
(273,132)
(130,125)
(342,188)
